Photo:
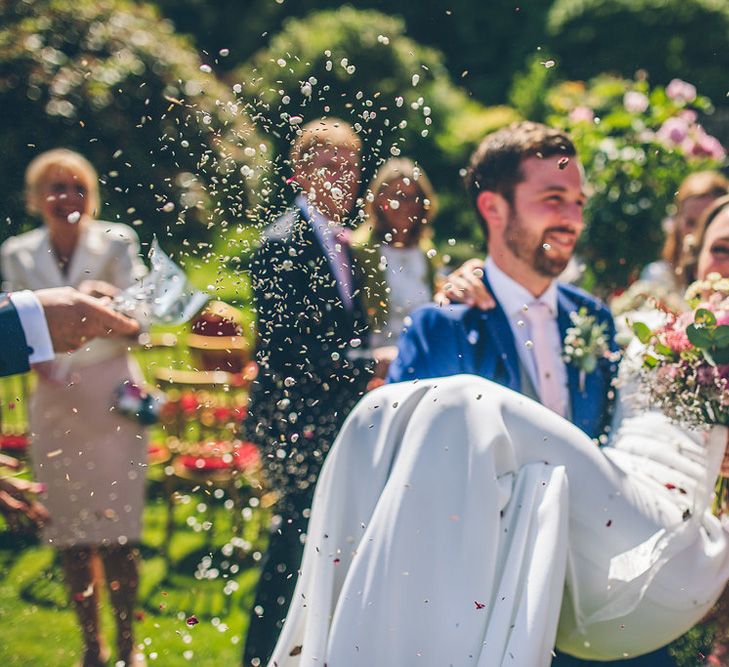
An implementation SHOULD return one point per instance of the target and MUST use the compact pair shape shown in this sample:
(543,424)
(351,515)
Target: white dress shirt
(406,271)
(34,325)
(327,232)
(513,298)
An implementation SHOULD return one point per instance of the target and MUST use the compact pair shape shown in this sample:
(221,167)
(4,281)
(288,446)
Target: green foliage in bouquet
(111,79)
(360,66)
(637,143)
(711,338)
(707,334)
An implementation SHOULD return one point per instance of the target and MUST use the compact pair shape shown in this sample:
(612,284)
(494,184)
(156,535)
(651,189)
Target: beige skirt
(92,461)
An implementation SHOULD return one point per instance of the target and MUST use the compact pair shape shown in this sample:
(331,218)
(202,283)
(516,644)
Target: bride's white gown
(452,514)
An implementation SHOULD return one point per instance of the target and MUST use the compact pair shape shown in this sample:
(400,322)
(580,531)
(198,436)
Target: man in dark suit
(525,182)
(312,352)
(34,325)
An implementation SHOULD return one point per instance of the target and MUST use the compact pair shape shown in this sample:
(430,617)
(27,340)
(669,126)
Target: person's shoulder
(275,245)
(583,299)
(114,232)
(281,230)
(658,271)
(30,240)
(432,315)
(277,237)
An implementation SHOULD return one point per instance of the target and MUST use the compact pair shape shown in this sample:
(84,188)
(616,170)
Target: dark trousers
(659,658)
(320,405)
(279,572)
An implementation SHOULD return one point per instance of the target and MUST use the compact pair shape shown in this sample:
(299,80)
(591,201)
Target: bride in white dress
(459,523)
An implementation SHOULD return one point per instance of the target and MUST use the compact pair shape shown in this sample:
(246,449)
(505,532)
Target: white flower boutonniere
(585,343)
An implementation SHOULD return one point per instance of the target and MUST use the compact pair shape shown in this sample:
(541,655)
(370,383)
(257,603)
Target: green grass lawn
(39,627)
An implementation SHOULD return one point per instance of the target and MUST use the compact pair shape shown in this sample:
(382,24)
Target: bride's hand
(465,285)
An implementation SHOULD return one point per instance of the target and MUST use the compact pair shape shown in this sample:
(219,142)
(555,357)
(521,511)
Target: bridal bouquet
(685,369)
(685,362)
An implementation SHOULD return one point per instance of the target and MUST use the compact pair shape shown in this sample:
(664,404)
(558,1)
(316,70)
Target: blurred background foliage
(360,66)
(668,38)
(187,107)
(637,143)
(112,79)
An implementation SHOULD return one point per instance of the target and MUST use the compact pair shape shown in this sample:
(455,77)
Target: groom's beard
(532,251)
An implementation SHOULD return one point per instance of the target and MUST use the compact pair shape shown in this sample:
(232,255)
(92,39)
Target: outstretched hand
(16,505)
(465,285)
(74,318)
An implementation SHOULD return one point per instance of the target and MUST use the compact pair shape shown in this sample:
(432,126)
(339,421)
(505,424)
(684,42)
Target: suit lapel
(322,278)
(496,357)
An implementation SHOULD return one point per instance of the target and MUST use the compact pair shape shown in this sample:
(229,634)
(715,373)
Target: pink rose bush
(681,91)
(637,143)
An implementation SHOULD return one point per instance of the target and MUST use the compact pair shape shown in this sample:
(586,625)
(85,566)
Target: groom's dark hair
(496,164)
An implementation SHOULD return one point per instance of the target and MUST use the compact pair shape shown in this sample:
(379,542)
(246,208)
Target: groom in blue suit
(526,184)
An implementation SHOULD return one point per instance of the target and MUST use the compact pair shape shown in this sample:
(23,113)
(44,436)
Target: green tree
(360,66)
(483,42)
(668,38)
(110,79)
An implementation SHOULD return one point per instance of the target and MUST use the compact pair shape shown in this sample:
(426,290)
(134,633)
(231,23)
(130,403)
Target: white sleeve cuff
(34,325)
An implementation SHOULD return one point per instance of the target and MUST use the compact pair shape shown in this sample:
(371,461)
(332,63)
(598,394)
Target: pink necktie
(550,391)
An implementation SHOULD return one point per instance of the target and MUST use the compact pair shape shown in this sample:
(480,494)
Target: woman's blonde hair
(396,169)
(61,158)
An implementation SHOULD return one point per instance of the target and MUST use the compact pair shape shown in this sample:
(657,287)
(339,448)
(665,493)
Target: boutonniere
(585,343)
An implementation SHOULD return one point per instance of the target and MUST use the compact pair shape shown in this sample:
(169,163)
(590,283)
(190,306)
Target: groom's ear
(494,209)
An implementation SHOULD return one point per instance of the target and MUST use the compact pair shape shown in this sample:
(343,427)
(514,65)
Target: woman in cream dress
(91,460)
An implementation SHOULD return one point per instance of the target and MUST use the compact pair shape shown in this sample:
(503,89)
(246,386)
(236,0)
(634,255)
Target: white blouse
(408,285)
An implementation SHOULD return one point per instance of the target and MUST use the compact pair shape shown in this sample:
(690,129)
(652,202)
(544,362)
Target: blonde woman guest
(392,248)
(697,191)
(91,460)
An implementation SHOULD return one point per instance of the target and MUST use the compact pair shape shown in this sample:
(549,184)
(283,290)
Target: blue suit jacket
(455,339)
(13,346)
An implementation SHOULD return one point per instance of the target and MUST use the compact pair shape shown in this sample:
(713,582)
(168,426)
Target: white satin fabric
(452,513)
